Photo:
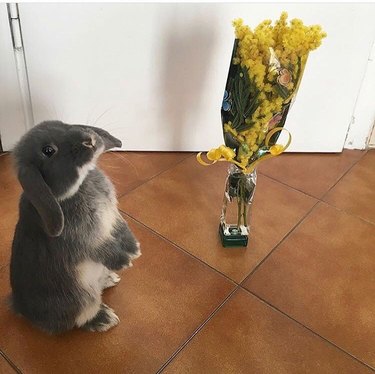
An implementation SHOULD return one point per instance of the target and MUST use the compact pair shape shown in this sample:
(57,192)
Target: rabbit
(70,236)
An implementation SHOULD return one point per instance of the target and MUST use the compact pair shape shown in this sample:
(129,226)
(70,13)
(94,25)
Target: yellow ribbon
(224,153)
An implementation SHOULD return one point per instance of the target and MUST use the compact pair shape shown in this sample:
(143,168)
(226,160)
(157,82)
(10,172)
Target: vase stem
(234,226)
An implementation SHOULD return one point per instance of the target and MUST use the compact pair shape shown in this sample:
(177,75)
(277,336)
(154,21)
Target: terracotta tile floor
(299,299)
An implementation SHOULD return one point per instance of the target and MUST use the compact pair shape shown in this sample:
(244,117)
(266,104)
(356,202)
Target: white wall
(155,73)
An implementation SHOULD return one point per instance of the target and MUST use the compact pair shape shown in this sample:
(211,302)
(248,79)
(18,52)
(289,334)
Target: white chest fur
(90,276)
(107,215)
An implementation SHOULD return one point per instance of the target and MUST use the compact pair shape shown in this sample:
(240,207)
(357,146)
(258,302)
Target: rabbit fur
(70,236)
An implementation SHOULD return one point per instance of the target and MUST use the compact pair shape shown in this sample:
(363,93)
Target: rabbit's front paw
(131,252)
(133,256)
(103,321)
(111,280)
(135,251)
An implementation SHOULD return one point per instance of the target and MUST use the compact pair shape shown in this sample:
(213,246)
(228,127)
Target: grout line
(355,163)
(307,328)
(309,195)
(337,208)
(9,361)
(319,200)
(287,185)
(178,247)
(156,175)
(279,243)
(179,349)
(348,213)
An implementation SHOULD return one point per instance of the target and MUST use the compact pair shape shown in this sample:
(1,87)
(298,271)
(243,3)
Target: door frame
(362,122)
(16,115)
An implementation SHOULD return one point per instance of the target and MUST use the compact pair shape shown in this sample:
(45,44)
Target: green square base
(232,240)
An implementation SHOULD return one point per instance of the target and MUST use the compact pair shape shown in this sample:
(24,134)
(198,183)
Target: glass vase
(235,216)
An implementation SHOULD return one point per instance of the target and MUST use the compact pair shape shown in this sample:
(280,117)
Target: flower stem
(245,214)
(239,211)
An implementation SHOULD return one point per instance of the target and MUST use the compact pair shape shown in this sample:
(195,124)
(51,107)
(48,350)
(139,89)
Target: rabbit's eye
(48,150)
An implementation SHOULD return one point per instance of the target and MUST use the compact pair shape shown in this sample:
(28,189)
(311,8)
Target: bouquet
(264,76)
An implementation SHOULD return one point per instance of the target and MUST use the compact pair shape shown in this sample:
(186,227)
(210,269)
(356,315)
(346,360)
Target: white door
(154,74)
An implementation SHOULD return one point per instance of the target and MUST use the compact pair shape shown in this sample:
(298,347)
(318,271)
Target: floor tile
(184,205)
(5,368)
(355,193)
(160,302)
(10,191)
(128,170)
(314,173)
(323,275)
(247,336)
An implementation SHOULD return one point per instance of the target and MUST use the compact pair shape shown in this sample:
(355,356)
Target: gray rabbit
(70,236)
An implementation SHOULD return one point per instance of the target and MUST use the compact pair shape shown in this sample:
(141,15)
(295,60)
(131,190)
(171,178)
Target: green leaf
(283,91)
(244,98)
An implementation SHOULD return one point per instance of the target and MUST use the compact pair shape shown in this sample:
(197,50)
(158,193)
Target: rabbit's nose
(89,143)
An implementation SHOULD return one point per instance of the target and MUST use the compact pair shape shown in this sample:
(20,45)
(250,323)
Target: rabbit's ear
(108,140)
(40,195)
